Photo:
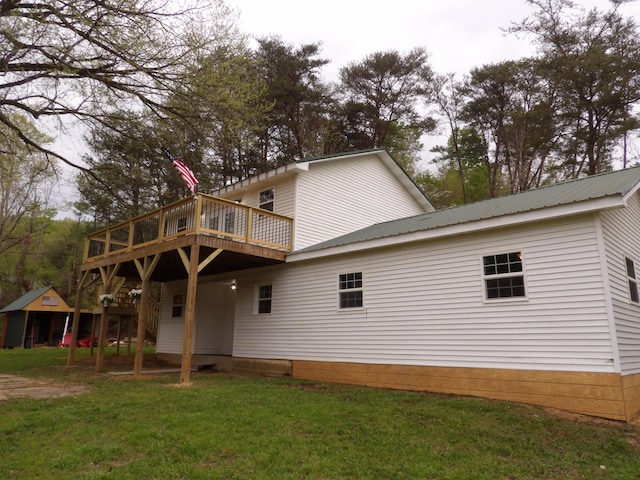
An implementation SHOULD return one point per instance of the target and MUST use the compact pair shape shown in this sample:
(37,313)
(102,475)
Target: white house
(530,298)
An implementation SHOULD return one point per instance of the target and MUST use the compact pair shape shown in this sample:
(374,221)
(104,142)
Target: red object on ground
(66,340)
(85,342)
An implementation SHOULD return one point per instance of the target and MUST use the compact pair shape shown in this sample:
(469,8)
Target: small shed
(37,318)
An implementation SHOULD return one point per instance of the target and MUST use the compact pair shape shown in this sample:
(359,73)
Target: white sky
(458,34)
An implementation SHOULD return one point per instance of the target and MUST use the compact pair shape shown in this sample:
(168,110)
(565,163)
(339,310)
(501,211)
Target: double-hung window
(633,280)
(266,199)
(503,275)
(264,296)
(176,306)
(350,290)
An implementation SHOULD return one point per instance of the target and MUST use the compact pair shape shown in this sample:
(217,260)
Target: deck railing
(201,214)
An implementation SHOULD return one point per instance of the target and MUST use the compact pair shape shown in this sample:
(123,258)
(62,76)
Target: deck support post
(189,318)
(108,275)
(144,270)
(75,324)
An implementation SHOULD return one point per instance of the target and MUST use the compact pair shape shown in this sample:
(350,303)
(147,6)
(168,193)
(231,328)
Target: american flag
(184,171)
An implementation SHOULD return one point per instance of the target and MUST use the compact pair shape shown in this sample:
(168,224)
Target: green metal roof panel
(617,183)
(25,300)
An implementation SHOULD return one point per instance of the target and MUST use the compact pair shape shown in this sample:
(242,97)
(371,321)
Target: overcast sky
(458,34)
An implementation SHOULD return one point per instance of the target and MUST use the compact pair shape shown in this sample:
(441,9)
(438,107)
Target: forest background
(135,77)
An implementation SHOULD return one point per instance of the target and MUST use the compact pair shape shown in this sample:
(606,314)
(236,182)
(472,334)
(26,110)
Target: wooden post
(143,312)
(129,331)
(93,333)
(108,276)
(102,337)
(119,334)
(189,319)
(75,325)
(144,270)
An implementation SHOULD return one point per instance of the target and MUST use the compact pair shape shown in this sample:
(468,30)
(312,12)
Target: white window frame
(632,280)
(488,277)
(177,300)
(344,288)
(271,201)
(258,299)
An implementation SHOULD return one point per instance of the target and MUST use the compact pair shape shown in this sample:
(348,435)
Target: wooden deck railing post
(197,213)
(247,237)
(107,242)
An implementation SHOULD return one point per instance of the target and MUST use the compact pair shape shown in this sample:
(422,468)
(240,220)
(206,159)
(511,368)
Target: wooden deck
(247,237)
(196,236)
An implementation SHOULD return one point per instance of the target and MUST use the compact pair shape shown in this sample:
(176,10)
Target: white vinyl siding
(342,196)
(170,328)
(284,189)
(213,329)
(214,319)
(621,230)
(425,305)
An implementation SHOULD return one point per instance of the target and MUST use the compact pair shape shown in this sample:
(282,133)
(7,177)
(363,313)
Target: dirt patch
(12,386)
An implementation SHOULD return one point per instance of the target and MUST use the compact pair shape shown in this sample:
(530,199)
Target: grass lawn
(232,427)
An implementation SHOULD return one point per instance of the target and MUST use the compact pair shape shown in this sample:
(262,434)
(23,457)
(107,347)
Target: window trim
(175,304)
(635,280)
(353,289)
(485,277)
(257,299)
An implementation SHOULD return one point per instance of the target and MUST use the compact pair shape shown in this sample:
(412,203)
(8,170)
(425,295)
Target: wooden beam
(209,259)
(185,258)
(189,318)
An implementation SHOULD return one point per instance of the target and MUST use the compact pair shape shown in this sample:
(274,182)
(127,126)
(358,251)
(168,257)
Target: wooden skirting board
(607,395)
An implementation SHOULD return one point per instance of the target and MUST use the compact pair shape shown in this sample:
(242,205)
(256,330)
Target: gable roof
(25,300)
(596,192)
(303,165)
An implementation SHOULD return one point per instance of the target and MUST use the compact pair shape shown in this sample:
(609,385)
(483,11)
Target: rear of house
(530,298)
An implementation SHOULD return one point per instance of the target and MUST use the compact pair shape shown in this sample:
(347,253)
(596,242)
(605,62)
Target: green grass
(231,427)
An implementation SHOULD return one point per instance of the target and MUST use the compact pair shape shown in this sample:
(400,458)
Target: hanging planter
(134,295)
(106,299)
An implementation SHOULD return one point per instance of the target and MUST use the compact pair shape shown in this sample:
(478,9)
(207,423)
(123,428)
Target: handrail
(200,214)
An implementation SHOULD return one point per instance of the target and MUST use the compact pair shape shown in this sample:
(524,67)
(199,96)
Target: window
(264,298)
(503,275)
(266,199)
(182,224)
(229,222)
(176,308)
(350,290)
(633,280)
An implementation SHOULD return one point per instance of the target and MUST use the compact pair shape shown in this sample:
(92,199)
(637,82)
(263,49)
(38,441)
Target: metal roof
(25,300)
(616,184)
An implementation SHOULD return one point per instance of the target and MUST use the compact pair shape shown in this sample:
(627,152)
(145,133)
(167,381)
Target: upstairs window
(265,293)
(182,224)
(266,200)
(503,275)
(350,290)
(633,280)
